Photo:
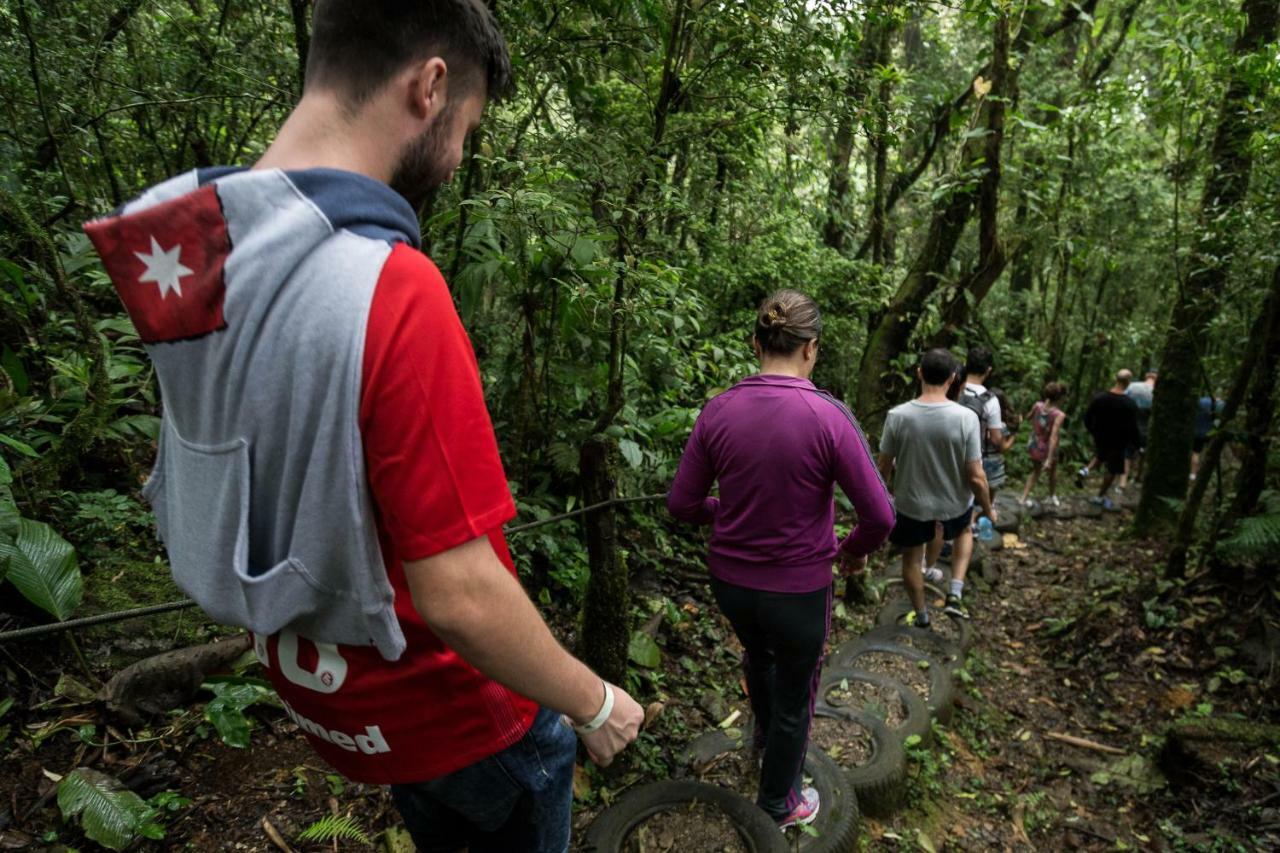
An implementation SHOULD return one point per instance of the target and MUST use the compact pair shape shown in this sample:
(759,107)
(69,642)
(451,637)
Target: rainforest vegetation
(1078,185)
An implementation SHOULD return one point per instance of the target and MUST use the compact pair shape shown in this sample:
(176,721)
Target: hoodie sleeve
(688,500)
(859,479)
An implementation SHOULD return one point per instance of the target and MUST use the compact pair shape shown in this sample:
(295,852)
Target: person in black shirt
(1112,420)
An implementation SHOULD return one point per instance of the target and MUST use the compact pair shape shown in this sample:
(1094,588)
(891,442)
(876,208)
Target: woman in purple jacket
(777,446)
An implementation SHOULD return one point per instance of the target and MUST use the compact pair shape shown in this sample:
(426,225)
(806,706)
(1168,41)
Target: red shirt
(437,481)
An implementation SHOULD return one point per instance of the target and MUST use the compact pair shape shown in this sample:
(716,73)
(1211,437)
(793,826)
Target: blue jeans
(516,800)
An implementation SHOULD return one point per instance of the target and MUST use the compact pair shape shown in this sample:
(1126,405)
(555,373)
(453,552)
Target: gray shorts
(993,466)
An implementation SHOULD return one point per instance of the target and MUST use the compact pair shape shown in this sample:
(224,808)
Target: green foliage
(42,566)
(109,813)
(333,827)
(226,710)
(643,651)
(1255,537)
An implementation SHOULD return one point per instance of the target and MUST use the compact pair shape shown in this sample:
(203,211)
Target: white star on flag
(164,268)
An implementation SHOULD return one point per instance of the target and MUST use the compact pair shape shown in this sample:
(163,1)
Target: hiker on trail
(1208,409)
(932,452)
(1112,420)
(1143,395)
(777,446)
(1046,434)
(328,475)
(976,397)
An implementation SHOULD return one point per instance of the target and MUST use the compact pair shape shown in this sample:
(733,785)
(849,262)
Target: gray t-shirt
(932,445)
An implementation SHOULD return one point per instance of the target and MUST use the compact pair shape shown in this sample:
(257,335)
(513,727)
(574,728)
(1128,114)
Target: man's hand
(620,729)
(992,514)
(852,565)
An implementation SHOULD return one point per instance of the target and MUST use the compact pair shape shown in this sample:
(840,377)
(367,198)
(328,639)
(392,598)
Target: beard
(422,167)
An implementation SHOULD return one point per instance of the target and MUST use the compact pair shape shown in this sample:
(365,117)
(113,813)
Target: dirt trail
(1071,640)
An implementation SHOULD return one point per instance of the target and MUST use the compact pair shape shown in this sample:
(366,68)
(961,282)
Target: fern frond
(1254,538)
(331,827)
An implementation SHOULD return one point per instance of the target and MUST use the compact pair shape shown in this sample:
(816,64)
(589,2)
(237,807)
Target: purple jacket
(777,445)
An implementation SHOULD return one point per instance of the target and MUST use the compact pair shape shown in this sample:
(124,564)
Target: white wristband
(602,715)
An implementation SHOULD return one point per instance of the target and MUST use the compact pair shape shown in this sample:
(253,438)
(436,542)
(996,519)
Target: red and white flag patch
(167,265)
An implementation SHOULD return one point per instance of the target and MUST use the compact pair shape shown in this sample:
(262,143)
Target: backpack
(977,403)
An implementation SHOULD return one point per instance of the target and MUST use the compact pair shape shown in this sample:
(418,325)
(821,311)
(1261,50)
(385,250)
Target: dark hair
(786,321)
(356,47)
(1054,391)
(937,366)
(978,361)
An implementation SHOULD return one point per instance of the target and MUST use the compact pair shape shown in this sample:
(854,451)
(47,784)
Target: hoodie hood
(251,291)
(166,252)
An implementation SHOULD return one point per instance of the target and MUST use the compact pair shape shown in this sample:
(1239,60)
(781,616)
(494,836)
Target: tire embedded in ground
(893,590)
(940,695)
(838,822)
(879,783)
(915,714)
(608,833)
(941,647)
(956,633)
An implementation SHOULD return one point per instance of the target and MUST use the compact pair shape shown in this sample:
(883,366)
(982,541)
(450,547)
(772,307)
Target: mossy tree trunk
(606,628)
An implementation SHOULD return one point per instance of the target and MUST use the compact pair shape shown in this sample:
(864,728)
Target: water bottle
(986,530)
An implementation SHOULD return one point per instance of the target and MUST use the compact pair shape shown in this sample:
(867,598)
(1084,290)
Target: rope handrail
(151,610)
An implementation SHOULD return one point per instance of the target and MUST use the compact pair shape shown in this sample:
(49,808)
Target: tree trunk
(1231,163)
(891,334)
(1020,278)
(879,168)
(975,286)
(876,33)
(606,629)
(1264,343)
(1260,407)
(301,36)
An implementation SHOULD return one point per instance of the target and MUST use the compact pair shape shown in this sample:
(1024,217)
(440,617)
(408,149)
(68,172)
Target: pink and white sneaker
(805,812)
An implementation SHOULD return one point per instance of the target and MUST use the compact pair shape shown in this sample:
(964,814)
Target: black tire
(608,832)
(839,821)
(893,590)
(916,719)
(880,785)
(893,612)
(930,642)
(942,696)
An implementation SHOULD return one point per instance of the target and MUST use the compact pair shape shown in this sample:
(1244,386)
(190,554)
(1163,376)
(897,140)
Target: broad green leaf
(643,651)
(20,446)
(6,476)
(110,813)
(226,710)
(42,565)
(9,519)
(631,452)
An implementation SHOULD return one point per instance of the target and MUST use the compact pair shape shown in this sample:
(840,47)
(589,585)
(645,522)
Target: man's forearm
(480,611)
(978,485)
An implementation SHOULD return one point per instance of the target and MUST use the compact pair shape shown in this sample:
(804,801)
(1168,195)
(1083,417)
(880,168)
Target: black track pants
(783,635)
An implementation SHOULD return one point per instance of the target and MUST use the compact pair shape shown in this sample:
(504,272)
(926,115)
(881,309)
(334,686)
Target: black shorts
(1111,457)
(909,532)
(1199,443)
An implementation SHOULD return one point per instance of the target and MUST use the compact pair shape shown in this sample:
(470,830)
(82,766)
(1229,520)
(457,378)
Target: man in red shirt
(393,90)
(459,698)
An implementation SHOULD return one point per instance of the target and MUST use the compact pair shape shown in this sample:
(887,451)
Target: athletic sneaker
(1108,505)
(934,575)
(1080,475)
(1097,501)
(805,813)
(1053,501)
(955,607)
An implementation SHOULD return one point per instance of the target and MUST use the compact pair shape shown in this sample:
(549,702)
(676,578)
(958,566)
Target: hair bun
(776,316)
